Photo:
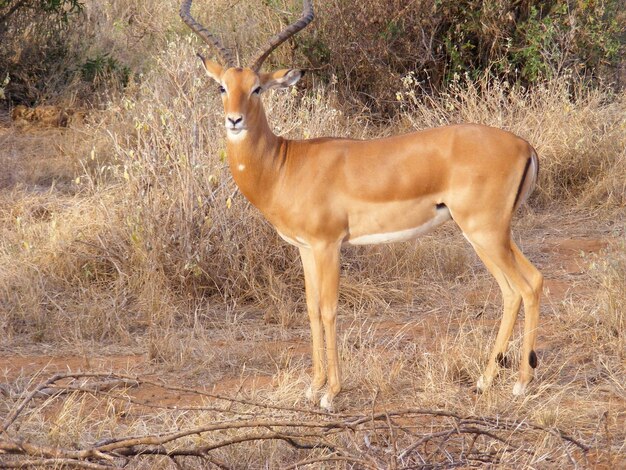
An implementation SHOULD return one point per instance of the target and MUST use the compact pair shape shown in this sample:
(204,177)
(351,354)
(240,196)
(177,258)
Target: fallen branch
(454,440)
(48,463)
(92,388)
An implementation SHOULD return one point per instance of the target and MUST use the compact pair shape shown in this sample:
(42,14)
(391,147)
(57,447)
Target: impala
(323,193)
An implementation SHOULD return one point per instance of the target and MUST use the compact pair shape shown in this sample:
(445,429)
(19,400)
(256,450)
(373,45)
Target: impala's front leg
(327,268)
(317,335)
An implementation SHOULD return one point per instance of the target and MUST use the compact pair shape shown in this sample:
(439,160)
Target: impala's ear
(213,69)
(281,78)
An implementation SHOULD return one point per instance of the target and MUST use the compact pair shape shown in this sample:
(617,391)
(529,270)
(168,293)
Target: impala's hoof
(519,389)
(326,403)
(311,394)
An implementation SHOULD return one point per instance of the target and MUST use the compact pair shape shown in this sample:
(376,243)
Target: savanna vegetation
(126,249)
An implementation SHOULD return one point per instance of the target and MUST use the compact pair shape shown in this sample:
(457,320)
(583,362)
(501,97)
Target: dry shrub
(64,268)
(369,46)
(44,116)
(85,55)
(34,35)
(366,46)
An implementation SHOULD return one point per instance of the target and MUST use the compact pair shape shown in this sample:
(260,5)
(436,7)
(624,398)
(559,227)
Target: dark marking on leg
(532,359)
(502,360)
(441,205)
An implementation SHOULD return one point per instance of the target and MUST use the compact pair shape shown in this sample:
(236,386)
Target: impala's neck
(254,157)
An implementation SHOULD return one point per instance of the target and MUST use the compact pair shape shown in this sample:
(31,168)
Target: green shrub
(104,68)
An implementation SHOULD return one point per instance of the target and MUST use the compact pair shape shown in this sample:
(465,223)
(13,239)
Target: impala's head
(241,90)
(241,87)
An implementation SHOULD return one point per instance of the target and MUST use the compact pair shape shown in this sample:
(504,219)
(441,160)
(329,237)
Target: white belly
(442,215)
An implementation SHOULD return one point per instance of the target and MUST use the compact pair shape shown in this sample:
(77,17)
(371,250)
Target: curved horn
(305,19)
(201,31)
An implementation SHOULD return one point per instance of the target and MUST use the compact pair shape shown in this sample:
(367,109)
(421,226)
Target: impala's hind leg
(516,277)
(511,300)
(531,319)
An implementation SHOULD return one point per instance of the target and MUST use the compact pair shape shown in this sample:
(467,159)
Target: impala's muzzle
(235,124)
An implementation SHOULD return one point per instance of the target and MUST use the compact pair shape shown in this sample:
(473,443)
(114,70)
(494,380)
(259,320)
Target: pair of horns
(225,55)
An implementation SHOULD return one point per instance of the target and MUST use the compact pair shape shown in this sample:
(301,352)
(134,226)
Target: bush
(370,45)
(365,47)
(34,38)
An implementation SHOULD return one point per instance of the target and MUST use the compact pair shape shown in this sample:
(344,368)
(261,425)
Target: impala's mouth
(236,134)
(235,130)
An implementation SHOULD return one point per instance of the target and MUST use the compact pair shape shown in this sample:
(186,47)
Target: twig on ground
(458,440)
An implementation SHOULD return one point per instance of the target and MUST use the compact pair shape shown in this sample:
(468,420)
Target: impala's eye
(257,91)
(222,89)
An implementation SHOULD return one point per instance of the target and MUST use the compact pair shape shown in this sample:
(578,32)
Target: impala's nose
(234,124)
(234,120)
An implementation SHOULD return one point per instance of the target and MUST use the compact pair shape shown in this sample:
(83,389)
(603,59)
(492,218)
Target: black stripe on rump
(521,184)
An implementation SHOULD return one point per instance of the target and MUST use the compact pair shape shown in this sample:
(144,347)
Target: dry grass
(126,233)
(151,223)
(409,359)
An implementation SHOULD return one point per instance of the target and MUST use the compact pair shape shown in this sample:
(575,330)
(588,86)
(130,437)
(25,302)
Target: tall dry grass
(152,225)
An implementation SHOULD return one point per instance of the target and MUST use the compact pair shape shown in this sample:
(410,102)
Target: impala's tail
(529,180)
